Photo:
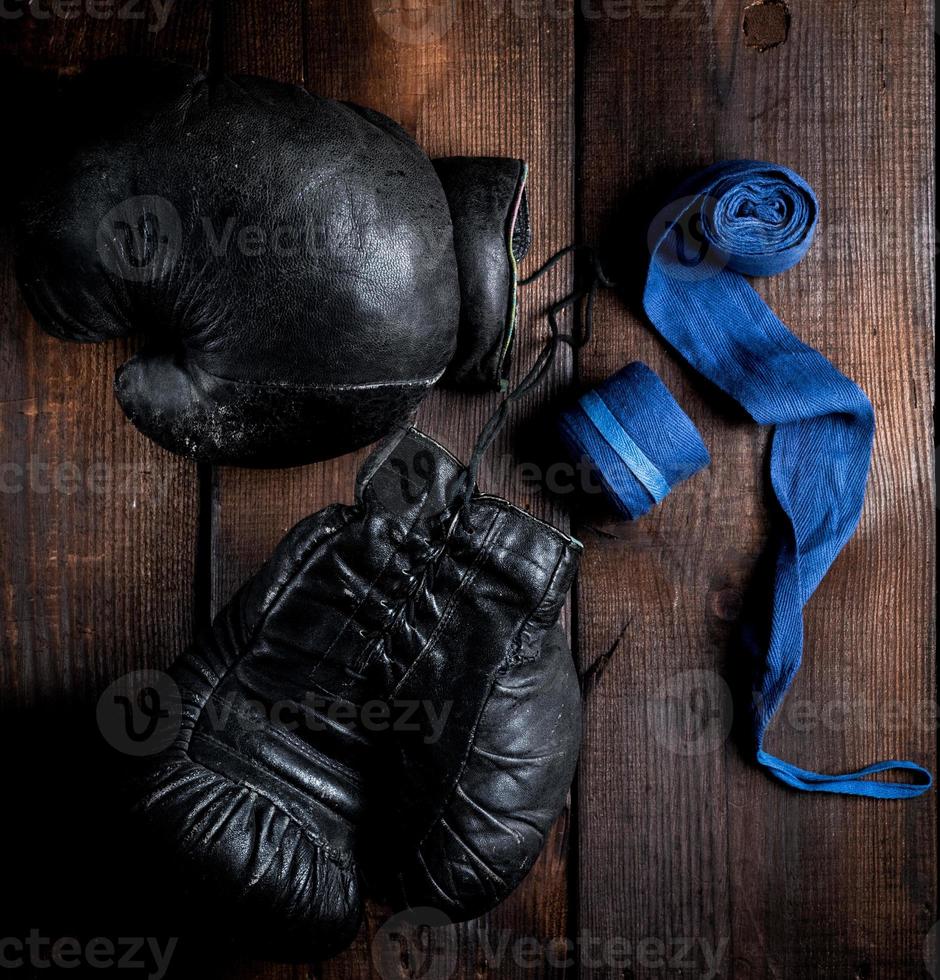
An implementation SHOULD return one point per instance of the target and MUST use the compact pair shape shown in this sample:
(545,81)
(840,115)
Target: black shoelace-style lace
(583,299)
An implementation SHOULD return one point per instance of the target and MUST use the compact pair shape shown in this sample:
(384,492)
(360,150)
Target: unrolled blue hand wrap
(743,218)
(639,441)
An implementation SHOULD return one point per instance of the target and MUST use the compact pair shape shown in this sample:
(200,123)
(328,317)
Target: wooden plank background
(675,858)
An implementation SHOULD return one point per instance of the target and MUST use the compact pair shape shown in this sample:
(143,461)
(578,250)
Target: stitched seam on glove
(476,858)
(512,311)
(403,886)
(452,792)
(292,740)
(467,579)
(300,563)
(344,862)
(504,505)
(39,306)
(251,635)
(526,640)
(336,386)
(367,654)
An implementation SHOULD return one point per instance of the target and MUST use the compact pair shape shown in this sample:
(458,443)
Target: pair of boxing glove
(388,704)
(300,273)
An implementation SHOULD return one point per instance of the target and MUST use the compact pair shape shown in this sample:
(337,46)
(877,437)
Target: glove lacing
(583,298)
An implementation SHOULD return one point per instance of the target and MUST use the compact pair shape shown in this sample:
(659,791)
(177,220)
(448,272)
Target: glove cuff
(491,236)
(410,479)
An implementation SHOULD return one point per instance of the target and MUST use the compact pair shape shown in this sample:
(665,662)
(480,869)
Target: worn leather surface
(365,604)
(288,260)
(491,234)
(471,816)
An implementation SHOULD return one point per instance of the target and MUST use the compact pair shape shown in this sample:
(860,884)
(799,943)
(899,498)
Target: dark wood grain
(678,836)
(97,579)
(682,855)
(97,531)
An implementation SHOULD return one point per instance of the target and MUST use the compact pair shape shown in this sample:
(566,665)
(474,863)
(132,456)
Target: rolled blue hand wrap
(638,439)
(747,218)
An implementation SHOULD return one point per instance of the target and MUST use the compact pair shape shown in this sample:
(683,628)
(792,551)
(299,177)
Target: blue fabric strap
(636,438)
(742,218)
(618,439)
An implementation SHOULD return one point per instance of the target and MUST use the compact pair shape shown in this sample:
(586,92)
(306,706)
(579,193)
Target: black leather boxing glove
(471,812)
(282,766)
(468,803)
(299,271)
